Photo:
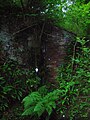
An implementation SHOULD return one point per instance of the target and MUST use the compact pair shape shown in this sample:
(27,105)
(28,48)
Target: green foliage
(15,82)
(72,15)
(77,18)
(72,96)
(5,3)
(37,104)
(74,78)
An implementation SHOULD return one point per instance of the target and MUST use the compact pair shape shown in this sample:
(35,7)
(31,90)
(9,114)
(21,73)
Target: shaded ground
(14,113)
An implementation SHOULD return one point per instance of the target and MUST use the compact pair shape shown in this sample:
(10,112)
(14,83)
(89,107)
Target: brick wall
(56,43)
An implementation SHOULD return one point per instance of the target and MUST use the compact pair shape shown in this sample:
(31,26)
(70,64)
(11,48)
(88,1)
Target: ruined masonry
(30,49)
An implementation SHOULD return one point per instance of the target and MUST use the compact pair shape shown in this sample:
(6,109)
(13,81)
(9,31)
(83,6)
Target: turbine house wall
(32,47)
(57,42)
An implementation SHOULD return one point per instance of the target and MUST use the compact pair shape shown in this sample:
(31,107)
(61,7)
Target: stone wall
(22,46)
(56,45)
(32,47)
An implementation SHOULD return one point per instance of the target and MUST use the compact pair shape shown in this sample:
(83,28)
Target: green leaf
(39,108)
(28,111)
(31,99)
(7,89)
(49,109)
(52,104)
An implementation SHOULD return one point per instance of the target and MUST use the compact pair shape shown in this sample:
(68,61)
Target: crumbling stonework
(56,44)
(34,47)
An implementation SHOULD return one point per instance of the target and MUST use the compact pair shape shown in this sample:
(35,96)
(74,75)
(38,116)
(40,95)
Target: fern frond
(39,108)
(52,104)
(28,111)
(52,96)
(49,110)
(43,90)
(26,102)
(36,104)
(31,99)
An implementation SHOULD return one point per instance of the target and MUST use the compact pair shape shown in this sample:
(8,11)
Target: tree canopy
(72,15)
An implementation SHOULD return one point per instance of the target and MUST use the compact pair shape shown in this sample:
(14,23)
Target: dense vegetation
(70,99)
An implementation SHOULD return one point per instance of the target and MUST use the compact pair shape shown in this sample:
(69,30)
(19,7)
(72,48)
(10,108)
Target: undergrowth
(15,82)
(71,98)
